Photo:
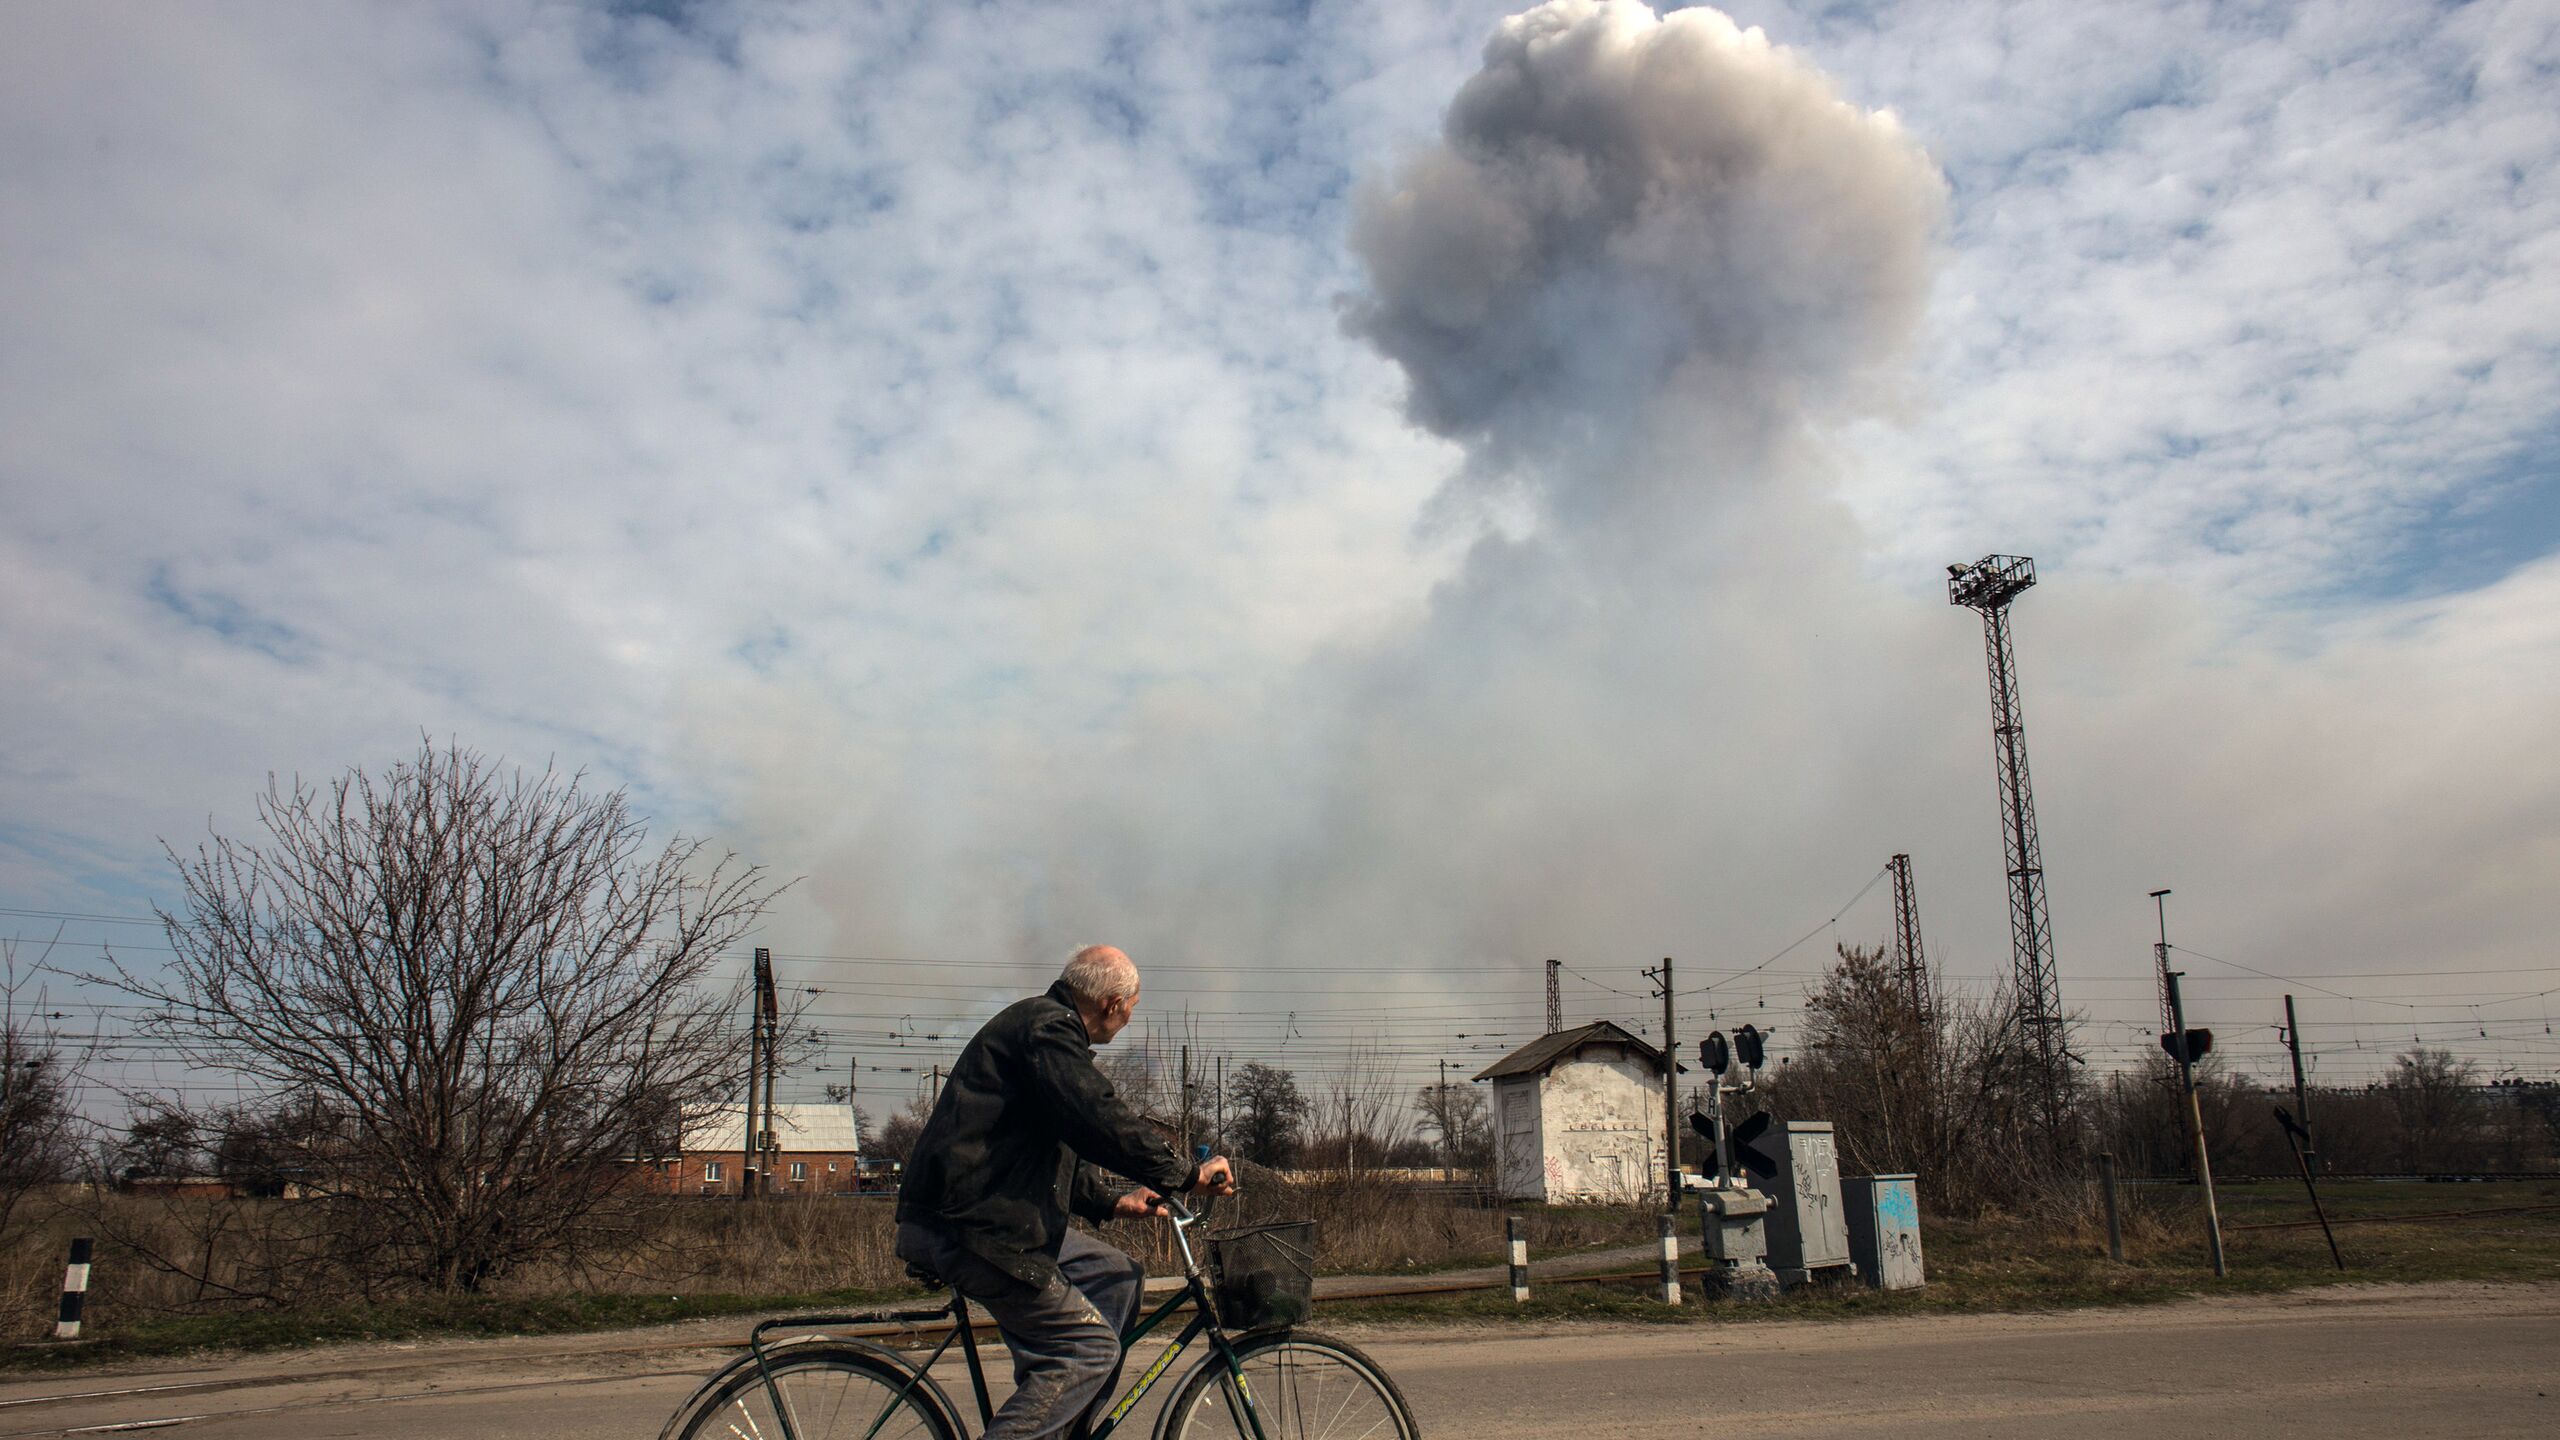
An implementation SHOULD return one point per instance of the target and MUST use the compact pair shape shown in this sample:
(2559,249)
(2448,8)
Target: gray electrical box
(1884,1230)
(1809,1226)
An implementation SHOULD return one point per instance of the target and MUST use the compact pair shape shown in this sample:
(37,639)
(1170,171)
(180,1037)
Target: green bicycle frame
(964,1331)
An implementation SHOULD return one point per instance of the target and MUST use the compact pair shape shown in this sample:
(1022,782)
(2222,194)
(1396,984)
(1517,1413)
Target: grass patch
(460,1317)
(1999,1265)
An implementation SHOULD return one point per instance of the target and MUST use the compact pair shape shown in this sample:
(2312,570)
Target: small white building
(1578,1117)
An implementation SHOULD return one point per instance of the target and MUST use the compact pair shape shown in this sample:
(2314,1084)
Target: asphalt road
(2446,1360)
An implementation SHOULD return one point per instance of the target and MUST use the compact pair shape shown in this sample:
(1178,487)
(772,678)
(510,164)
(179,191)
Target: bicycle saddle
(924,1276)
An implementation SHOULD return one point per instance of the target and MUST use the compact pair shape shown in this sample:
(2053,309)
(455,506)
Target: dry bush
(1371,1225)
(799,1244)
(163,1255)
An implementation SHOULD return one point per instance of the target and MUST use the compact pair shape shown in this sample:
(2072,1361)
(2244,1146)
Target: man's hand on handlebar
(1216,1176)
(1139,1204)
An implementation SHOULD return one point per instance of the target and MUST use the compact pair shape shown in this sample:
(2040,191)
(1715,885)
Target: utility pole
(1186,1099)
(1448,1154)
(2183,1049)
(1987,586)
(1555,996)
(2301,1094)
(769,1013)
(755,1083)
(1221,1132)
(1670,1094)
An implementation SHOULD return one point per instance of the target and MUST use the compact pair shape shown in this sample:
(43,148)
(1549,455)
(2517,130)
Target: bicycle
(1269,1382)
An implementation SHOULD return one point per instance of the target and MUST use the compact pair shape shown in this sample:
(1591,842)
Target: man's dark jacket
(995,1168)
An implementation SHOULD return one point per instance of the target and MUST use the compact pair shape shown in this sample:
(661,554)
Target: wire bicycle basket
(1265,1274)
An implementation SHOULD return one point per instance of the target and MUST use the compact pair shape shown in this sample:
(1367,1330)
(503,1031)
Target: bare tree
(1459,1127)
(895,1137)
(1361,1118)
(163,1141)
(2434,1098)
(472,995)
(38,1139)
(1268,1114)
(1954,1097)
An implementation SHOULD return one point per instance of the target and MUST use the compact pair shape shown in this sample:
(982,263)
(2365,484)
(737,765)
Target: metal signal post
(1987,586)
(2301,1093)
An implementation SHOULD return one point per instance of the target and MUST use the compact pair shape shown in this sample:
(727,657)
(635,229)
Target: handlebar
(1184,1213)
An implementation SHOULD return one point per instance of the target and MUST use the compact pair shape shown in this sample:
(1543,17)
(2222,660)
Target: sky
(1347,502)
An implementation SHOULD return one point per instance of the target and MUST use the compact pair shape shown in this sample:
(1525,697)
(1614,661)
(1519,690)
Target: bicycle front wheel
(1299,1384)
(830,1393)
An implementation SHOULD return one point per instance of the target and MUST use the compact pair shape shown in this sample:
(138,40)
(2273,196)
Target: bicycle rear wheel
(1302,1385)
(832,1392)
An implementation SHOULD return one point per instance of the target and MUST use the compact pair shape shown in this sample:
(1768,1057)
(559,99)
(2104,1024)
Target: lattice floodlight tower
(1988,585)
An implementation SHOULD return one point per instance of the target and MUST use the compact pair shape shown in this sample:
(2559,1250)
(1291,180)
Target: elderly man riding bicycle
(1019,1138)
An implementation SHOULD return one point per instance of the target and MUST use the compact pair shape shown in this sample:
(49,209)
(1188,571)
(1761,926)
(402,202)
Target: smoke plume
(1647,260)
(1625,211)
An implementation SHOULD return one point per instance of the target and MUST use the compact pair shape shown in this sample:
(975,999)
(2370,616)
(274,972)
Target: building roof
(1554,1048)
(797,1126)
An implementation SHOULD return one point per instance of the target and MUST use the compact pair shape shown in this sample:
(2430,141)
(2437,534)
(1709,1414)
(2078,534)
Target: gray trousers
(1065,1338)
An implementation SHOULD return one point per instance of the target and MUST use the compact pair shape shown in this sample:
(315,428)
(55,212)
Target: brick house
(820,1146)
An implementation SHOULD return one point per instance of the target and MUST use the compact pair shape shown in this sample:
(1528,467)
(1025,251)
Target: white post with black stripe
(1519,1262)
(1670,1258)
(75,1290)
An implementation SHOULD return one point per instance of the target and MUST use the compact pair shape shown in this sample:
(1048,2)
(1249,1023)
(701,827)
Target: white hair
(1098,975)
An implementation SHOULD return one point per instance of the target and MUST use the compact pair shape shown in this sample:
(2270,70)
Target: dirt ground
(2448,1359)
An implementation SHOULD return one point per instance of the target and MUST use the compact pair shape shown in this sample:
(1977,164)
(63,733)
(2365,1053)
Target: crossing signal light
(1746,1044)
(1714,1053)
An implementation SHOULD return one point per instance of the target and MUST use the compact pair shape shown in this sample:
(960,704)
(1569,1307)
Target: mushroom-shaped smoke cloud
(1624,209)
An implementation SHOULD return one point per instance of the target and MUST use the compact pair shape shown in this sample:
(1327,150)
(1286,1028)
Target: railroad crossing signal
(2199,1044)
(1746,1044)
(1714,1053)
(1758,1158)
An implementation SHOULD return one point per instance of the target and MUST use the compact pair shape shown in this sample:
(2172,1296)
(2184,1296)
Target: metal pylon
(1987,586)
(1907,959)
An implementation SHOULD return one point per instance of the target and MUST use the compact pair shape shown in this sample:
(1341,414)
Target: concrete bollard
(1519,1261)
(1670,1259)
(75,1290)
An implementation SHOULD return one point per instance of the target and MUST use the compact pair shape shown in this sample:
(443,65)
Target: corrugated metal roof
(1553,1049)
(799,1126)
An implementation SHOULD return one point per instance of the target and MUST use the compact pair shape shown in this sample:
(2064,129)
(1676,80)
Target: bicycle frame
(1194,1292)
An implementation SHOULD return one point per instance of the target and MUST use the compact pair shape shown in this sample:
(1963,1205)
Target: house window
(714,1170)
(1515,1111)
(799,1169)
